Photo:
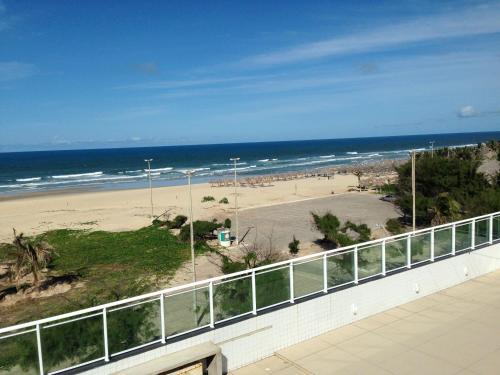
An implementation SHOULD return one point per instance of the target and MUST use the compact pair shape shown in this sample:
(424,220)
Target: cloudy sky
(96,73)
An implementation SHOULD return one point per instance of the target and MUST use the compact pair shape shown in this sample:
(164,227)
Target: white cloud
(467,111)
(13,70)
(468,22)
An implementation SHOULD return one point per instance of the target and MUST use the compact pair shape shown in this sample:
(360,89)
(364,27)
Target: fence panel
(482,231)
(463,237)
(395,254)
(496,227)
(420,248)
(232,298)
(272,287)
(18,354)
(133,326)
(443,242)
(308,277)
(186,311)
(369,261)
(340,268)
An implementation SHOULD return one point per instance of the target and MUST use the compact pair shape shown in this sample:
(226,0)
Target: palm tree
(445,209)
(358,173)
(30,258)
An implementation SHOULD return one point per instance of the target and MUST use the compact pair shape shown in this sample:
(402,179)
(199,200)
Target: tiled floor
(456,331)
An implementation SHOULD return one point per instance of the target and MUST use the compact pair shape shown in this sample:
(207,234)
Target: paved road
(286,220)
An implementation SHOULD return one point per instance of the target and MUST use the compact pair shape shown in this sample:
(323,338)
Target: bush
(224,201)
(227,223)
(393,226)
(178,222)
(294,246)
(329,226)
(202,230)
(208,198)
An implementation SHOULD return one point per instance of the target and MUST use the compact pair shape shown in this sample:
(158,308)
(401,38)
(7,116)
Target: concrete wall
(260,336)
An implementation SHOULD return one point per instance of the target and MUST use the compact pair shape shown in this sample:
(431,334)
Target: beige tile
(305,348)
(342,334)
(375,321)
(415,362)
(273,364)
(329,361)
(371,346)
(489,364)
(399,313)
(249,370)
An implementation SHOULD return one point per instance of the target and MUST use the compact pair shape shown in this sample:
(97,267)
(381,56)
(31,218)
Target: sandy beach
(130,209)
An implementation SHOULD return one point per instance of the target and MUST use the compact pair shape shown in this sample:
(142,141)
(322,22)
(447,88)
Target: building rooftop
(454,331)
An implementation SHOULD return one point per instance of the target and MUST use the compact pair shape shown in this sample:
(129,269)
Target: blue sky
(132,73)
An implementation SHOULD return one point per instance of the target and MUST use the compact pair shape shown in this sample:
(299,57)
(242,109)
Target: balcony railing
(98,334)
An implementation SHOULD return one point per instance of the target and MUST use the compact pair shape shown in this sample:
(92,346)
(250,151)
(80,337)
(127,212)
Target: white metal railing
(206,303)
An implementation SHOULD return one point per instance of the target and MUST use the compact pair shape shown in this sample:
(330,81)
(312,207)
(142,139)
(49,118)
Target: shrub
(202,230)
(294,246)
(393,226)
(224,201)
(227,223)
(178,222)
(208,198)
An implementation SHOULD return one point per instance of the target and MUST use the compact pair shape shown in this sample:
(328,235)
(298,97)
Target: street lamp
(235,160)
(190,173)
(150,184)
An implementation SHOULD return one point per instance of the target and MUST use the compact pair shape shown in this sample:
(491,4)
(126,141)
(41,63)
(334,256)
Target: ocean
(121,168)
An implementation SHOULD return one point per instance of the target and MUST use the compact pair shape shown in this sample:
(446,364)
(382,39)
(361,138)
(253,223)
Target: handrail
(104,309)
(235,274)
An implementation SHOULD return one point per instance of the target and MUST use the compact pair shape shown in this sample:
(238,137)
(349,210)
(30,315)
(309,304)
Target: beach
(130,209)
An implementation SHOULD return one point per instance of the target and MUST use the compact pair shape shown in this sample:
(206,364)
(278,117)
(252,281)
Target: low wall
(257,337)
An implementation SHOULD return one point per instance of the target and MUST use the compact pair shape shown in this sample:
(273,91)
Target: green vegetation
(177,223)
(224,201)
(227,223)
(394,227)
(449,186)
(208,198)
(294,246)
(388,189)
(202,230)
(337,235)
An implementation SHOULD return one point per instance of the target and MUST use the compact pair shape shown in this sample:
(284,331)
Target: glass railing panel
(420,248)
(134,325)
(443,242)
(187,310)
(463,237)
(482,232)
(395,254)
(72,342)
(232,298)
(340,268)
(496,227)
(307,277)
(369,261)
(18,354)
(273,286)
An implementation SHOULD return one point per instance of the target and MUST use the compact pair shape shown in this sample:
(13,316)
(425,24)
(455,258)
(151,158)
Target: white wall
(260,336)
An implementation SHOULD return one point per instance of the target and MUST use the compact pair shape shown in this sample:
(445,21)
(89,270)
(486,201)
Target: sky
(77,74)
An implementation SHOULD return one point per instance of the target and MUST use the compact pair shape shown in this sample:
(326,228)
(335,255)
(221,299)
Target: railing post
(408,251)
(39,348)
(211,303)
(162,315)
(356,272)
(105,330)
(325,275)
(473,234)
(453,239)
(491,229)
(383,258)
(292,296)
(432,245)
(254,295)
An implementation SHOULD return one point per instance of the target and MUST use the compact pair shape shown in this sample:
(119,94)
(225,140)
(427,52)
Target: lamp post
(237,236)
(413,188)
(150,184)
(189,174)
